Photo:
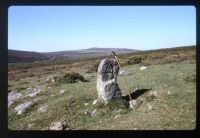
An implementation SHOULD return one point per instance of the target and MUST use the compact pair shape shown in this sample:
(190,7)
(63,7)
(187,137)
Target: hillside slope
(27,56)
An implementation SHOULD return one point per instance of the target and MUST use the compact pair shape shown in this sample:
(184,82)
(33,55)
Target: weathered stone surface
(107,86)
(20,108)
(13,96)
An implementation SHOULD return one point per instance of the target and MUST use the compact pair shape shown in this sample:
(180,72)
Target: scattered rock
(95,101)
(150,107)
(143,67)
(107,86)
(88,76)
(62,91)
(93,113)
(153,93)
(151,96)
(132,103)
(19,112)
(29,88)
(43,108)
(20,108)
(117,116)
(33,94)
(124,73)
(87,113)
(56,126)
(193,121)
(13,96)
(52,78)
(30,125)
(85,103)
(36,99)
(168,92)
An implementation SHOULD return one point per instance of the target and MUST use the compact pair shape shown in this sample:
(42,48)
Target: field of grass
(170,74)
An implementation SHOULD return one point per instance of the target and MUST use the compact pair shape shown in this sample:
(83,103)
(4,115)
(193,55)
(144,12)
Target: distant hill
(27,56)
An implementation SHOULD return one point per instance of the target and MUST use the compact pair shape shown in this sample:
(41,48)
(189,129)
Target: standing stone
(107,86)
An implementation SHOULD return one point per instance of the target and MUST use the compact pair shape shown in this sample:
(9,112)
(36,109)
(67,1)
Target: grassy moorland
(170,73)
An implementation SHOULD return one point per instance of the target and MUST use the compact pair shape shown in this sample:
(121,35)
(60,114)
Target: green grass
(174,108)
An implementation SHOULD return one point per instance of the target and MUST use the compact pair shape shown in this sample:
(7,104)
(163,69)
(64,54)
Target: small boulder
(62,91)
(56,126)
(93,113)
(30,125)
(132,103)
(143,67)
(20,108)
(13,96)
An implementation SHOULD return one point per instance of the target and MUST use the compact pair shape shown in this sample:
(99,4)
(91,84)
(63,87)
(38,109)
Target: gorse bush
(71,78)
(134,60)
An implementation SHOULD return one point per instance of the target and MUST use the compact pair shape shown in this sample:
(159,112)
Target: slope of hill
(26,56)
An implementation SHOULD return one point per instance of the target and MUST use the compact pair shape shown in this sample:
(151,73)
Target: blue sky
(57,28)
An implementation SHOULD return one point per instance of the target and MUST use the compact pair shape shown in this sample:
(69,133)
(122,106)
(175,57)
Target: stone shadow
(134,95)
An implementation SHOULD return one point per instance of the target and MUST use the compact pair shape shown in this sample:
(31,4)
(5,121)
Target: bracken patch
(71,78)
